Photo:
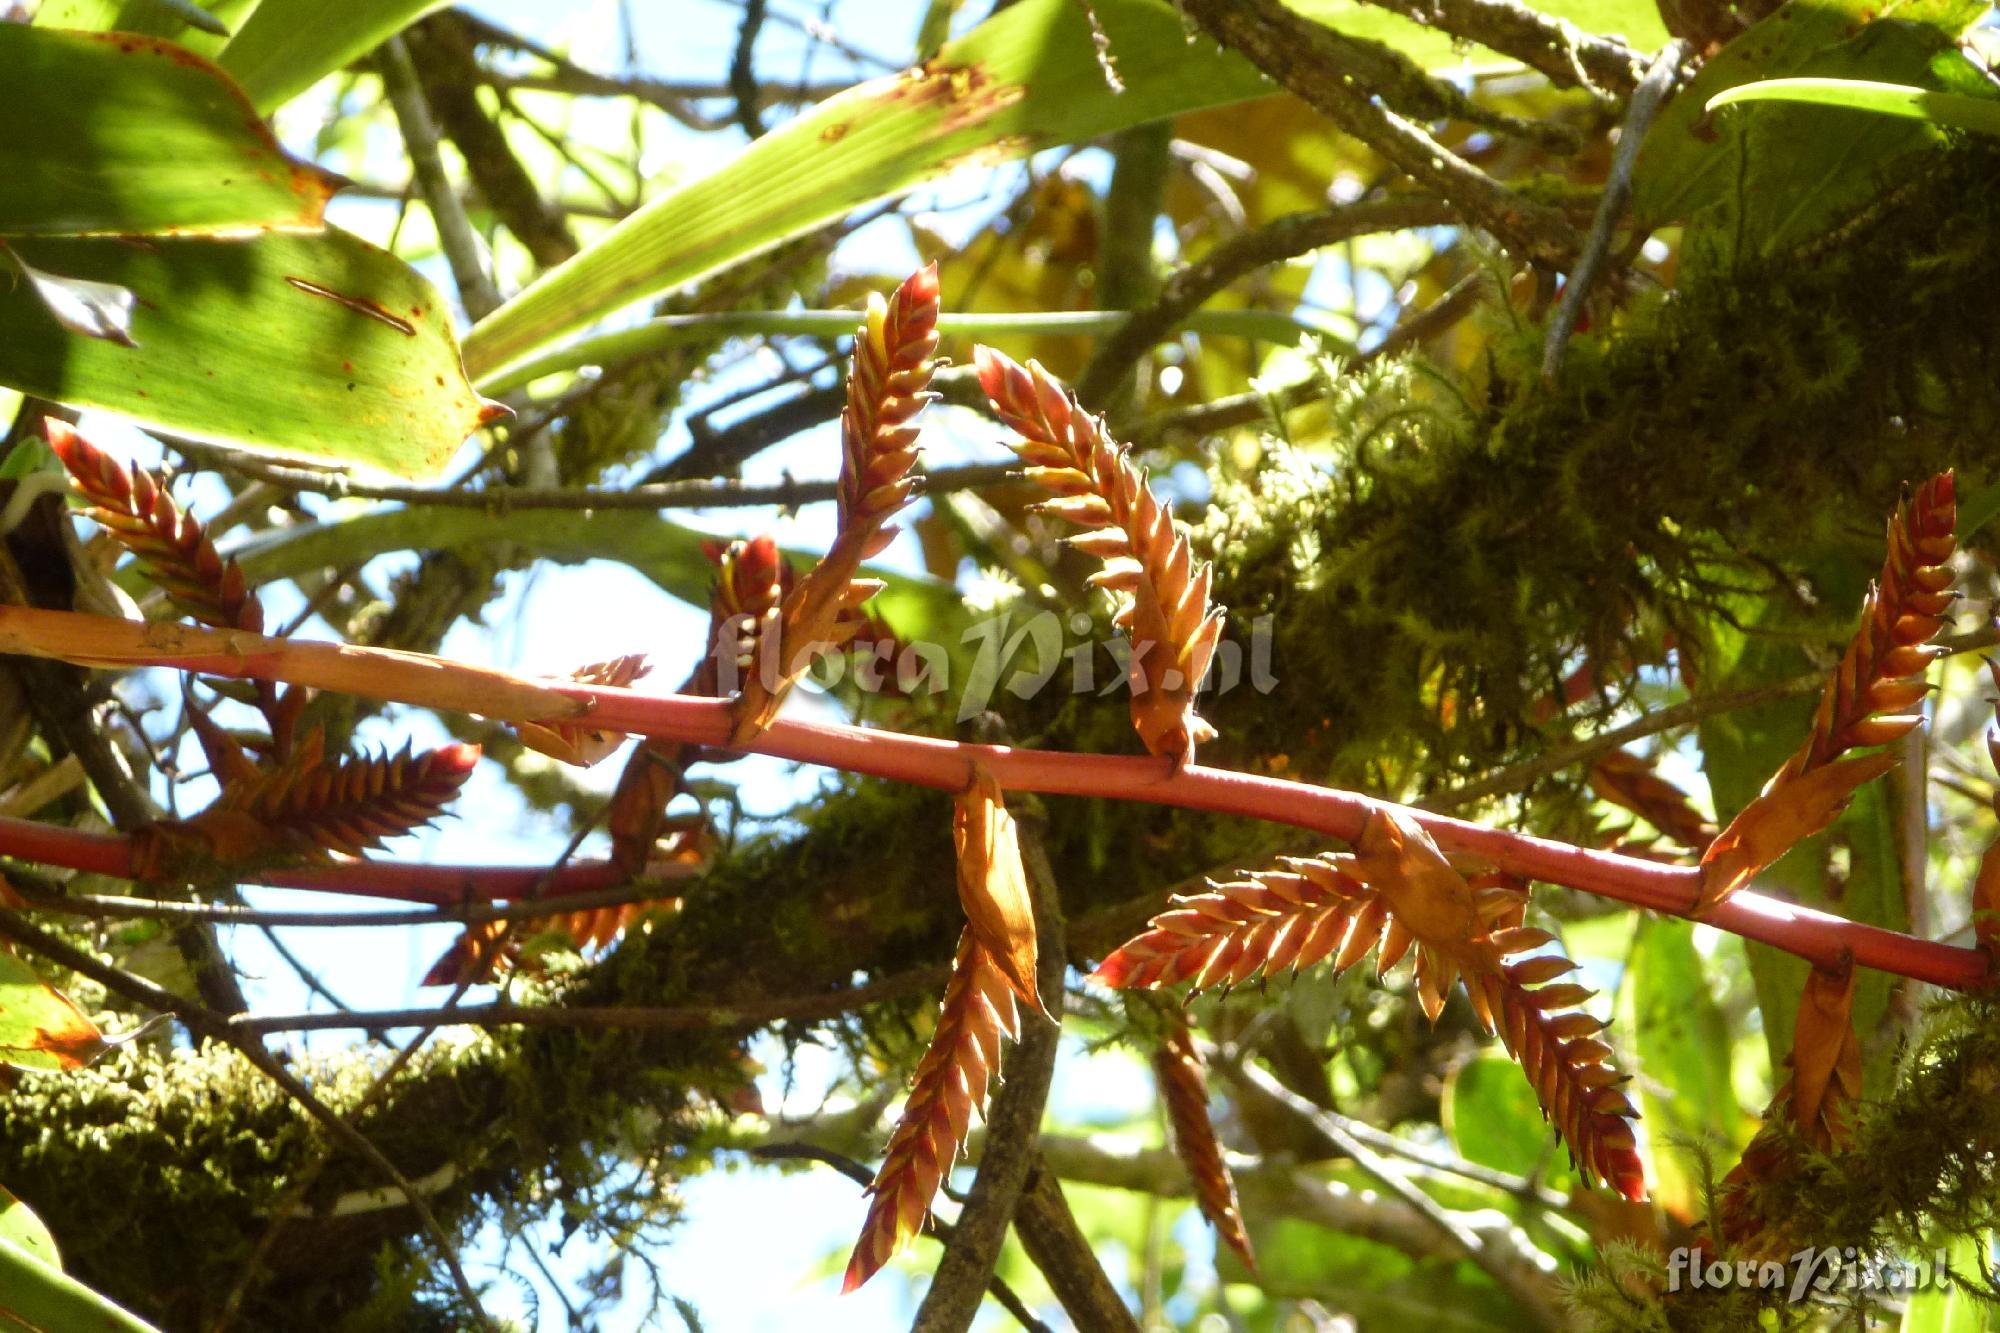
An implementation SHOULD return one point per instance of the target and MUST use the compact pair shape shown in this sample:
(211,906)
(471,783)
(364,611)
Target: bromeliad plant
(1450,898)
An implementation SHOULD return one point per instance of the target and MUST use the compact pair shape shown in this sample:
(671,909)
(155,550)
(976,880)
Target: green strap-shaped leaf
(115,133)
(1755,183)
(1950,110)
(40,1299)
(40,1028)
(319,346)
(1680,1048)
(286,46)
(20,1227)
(665,552)
(1026,79)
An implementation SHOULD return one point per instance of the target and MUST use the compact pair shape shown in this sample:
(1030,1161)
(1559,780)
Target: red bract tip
(760,556)
(457,759)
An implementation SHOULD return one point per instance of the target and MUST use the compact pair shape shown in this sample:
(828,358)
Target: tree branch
(433,682)
(1191,286)
(204,1022)
(1308,59)
(1569,56)
(1058,1247)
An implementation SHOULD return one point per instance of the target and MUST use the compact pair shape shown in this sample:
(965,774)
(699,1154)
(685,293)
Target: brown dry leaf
(1783,815)
(1626,780)
(993,885)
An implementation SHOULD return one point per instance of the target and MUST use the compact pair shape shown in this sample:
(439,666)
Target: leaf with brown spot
(993,885)
(40,1027)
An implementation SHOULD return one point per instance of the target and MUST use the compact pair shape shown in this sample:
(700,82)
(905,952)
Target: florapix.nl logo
(1020,655)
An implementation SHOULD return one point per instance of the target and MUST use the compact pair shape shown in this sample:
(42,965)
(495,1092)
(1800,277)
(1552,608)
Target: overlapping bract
(579,743)
(1874,698)
(174,546)
(310,808)
(1396,895)
(950,1084)
(887,385)
(1812,1111)
(1177,1066)
(993,883)
(1162,589)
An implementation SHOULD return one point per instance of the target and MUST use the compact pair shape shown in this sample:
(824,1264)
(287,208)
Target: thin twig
(933,1225)
(1559,49)
(1253,407)
(455,235)
(114,908)
(743,70)
(1521,776)
(1286,237)
(1531,1297)
(1304,56)
(1652,94)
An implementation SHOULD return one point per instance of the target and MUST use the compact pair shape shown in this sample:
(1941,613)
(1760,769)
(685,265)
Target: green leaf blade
(286,46)
(1901,100)
(321,347)
(121,134)
(1024,80)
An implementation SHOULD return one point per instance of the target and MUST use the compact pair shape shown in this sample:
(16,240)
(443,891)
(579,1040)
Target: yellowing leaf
(992,885)
(40,1027)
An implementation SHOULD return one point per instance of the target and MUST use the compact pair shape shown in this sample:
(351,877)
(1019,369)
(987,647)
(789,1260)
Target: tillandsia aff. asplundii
(1448,896)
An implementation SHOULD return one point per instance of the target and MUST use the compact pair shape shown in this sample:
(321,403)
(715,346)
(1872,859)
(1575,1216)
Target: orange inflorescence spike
(1184,1089)
(1161,588)
(887,385)
(1874,698)
(976,1019)
(1396,895)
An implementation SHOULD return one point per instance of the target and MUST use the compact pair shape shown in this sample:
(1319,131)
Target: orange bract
(1879,679)
(887,385)
(1397,895)
(1162,589)
(311,807)
(1184,1089)
(950,1085)
(993,885)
